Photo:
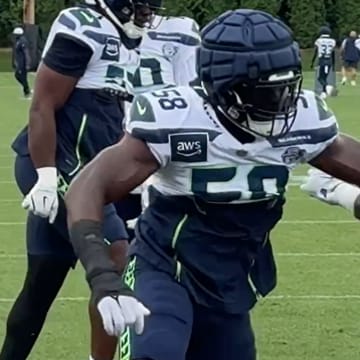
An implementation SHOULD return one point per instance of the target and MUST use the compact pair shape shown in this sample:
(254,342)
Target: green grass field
(314,314)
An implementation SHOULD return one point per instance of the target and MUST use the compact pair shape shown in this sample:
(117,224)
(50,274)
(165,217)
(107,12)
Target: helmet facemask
(266,107)
(133,17)
(145,13)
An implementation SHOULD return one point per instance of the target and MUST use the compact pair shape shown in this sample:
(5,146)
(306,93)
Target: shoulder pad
(158,106)
(314,127)
(155,114)
(184,23)
(182,30)
(79,16)
(309,101)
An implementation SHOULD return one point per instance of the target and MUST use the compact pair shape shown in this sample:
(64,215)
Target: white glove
(320,186)
(330,190)
(42,200)
(118,313)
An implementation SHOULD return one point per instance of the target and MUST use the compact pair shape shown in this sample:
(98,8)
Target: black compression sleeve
(101,273)
(68,56)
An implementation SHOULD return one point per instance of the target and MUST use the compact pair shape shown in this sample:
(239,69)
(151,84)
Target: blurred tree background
(304,16)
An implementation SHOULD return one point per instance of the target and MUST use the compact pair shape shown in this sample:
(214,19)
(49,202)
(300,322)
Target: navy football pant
(324,70)
(179,329)
(43,238)
(21,77)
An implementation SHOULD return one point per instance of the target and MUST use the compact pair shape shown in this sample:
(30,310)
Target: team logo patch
(111,49)
(169,50)
(190,147)
(292,155)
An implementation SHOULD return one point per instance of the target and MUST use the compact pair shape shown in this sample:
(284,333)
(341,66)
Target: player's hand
(121,311)
(321,186)
(42,200)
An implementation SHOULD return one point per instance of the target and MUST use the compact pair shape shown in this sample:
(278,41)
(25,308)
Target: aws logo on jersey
(189,147)
(111,49)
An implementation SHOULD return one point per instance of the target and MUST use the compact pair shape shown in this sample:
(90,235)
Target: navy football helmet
(250,68)
(132,16)
(325,30)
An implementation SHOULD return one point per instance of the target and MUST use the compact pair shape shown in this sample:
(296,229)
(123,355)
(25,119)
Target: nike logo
(141,110)
(87,17)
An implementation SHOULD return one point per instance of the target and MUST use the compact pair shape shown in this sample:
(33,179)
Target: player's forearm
(101,273)
(42,137)
(84,201)
(341,160)
(85,197)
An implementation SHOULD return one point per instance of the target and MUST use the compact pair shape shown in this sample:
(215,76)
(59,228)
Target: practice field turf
(314,314)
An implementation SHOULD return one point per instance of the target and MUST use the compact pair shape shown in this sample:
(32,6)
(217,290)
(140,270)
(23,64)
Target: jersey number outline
(115,75)
(153,66)
(326,49)
(167,103)
(201,177)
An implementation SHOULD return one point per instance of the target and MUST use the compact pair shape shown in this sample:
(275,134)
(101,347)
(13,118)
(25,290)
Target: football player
(202,254)
(75,113)
(324,52)
(332,191)
(168,52)
(21,60)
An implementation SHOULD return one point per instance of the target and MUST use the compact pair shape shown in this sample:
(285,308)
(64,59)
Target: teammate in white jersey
(167,55)
(324,53)
(202,254)
(168,52)
(75,113)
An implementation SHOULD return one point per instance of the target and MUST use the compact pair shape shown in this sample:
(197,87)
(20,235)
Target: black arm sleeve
(101,273)
(68,56)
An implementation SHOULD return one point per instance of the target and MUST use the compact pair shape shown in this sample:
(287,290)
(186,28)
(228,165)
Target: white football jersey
(105,69)
(167,55)
(198,156)
(357,43)
(325,46)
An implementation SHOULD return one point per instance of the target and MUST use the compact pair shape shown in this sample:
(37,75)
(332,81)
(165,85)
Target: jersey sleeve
(71,23)
(184,61)
(323,130)
(68,56)
(156,117)
(184,66)
(143,123)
